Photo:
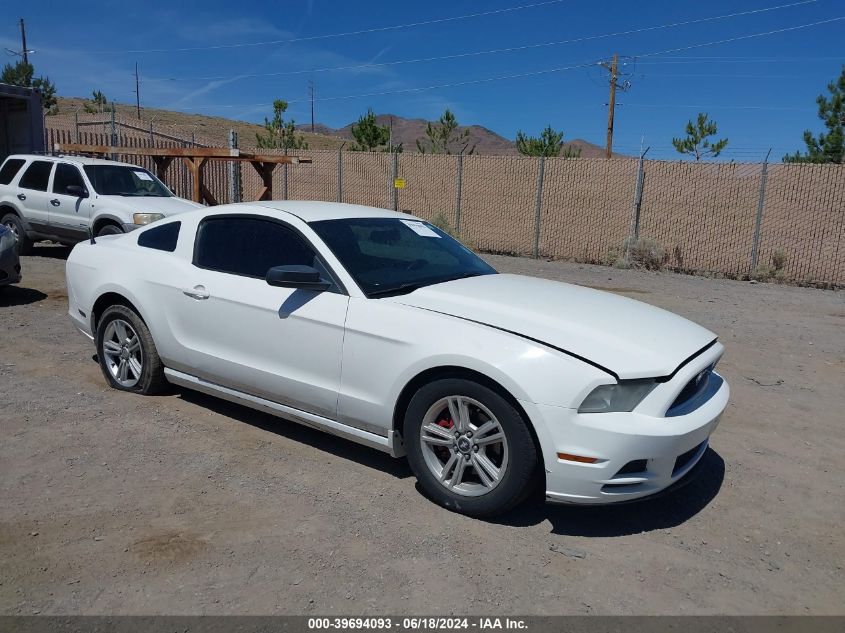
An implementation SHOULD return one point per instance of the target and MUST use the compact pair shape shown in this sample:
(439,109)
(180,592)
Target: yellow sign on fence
(399,183)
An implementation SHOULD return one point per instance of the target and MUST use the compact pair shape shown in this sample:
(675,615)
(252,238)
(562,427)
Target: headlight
(623,396)
(147,218)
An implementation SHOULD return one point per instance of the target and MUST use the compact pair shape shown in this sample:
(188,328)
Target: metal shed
(21,121)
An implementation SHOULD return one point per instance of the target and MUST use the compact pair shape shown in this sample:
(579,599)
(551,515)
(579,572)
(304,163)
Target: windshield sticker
(419,228)
(143,175)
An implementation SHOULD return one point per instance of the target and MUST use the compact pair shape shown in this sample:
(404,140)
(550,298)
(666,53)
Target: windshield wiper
(401,289)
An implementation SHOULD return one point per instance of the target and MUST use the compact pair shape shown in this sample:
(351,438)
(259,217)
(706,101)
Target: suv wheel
(470,449)
(109,229)
(127,354)
(14,224)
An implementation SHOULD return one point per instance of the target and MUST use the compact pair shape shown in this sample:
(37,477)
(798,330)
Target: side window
(249,246)
(66,175)
(36,176)
(161,238)
(10,169)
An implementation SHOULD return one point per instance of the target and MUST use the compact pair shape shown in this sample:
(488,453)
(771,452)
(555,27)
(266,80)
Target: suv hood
(141,204)
(629,338)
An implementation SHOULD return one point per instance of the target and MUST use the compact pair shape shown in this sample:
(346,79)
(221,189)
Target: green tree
(21,74)
(369,136)
(829,147)
(280,134)
(97,104)
(443,137)
(549,143)
(697,141)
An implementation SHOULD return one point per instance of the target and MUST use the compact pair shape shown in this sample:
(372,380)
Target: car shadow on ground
(658,513)
(18,296)
(53,251)
(320,440)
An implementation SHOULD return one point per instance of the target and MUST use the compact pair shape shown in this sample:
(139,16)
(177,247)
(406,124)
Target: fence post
(285,177)
(340,172)
(234,171)
(755,245)
(393,181)
(76,120)
(634,233)
(113,132)
(537,207)
(459,186)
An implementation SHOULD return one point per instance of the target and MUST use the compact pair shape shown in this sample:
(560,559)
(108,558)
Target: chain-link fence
(735,219)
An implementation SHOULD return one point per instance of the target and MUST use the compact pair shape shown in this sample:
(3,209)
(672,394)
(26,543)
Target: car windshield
(120,180)
(389,256)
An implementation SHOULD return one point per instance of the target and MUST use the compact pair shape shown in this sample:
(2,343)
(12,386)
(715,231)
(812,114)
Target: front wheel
(109,229)
(127,354)
(469,448)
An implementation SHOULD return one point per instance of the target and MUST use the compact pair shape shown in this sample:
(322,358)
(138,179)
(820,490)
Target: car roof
(77,160)
(313,211)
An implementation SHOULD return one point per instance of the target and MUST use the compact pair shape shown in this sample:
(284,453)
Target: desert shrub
(779,259)
(614,254)
(442,222)
(678,255)
(763,272)
(645,253)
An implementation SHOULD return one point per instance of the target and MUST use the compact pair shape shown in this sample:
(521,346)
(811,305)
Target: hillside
(215,129)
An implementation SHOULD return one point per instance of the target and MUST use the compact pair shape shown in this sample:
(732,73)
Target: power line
(510,49)
(324,36)
(546,71)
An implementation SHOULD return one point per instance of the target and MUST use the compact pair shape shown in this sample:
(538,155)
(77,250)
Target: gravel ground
(181,504)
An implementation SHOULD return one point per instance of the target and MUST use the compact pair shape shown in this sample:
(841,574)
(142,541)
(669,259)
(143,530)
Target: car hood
(629,338)
(141,204)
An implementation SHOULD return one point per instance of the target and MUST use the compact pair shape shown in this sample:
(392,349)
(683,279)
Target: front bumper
(656,451)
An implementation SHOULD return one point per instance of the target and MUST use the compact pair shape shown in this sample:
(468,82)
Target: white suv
(62,198)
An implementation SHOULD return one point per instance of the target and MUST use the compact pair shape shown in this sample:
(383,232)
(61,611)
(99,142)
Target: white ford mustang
(380,328)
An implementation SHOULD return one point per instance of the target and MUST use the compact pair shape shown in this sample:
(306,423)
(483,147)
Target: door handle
(55,202)
(197,292)
(21,196)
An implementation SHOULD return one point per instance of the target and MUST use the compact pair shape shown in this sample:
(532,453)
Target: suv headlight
(623,396)
(146,218)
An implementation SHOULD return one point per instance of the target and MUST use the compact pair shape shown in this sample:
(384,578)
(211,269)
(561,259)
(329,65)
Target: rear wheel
(127,354)
(15,225)
(469,447)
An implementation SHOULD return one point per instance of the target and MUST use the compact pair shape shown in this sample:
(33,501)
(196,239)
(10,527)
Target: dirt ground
(183,504)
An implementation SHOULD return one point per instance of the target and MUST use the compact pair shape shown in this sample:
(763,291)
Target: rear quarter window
(161,238)
(10,169)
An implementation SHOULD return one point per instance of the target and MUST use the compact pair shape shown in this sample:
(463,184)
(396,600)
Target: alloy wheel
(124,357)
(464,446)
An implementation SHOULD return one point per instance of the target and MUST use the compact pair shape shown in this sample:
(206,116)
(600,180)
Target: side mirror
(77,191)
(304,277)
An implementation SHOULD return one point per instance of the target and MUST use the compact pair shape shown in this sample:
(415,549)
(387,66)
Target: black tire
(109,229)
(151,380)
(520,473)
(24,244)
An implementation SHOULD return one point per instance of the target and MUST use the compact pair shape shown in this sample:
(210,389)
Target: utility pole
(311,94)
(24,52)
(137,92)
(613,67)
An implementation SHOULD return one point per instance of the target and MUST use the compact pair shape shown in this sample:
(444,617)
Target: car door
(69,214)
(33,194)
(234,329)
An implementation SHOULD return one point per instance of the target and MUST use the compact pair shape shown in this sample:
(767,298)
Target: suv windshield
(388,256)
(120,180)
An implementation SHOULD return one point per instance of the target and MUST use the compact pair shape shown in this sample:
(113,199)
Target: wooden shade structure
(195,158)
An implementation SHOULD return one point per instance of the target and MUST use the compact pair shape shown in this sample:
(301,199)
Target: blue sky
(760,90)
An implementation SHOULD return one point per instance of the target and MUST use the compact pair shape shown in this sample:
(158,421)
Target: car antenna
(91,235)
